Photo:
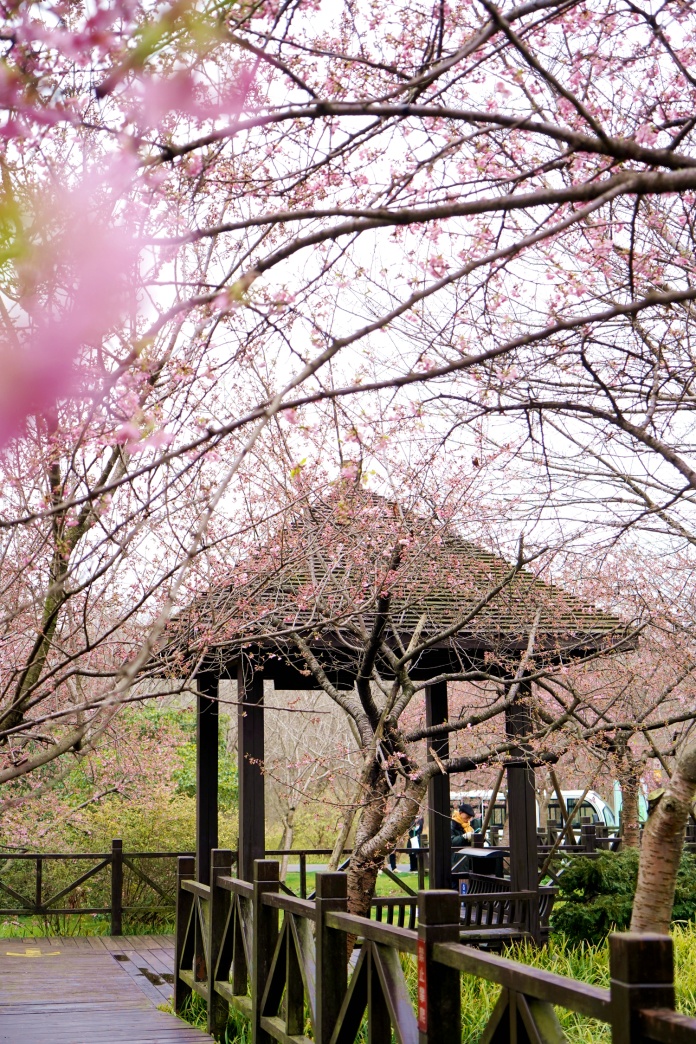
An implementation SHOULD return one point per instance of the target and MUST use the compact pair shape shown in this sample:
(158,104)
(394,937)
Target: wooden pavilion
(308,583)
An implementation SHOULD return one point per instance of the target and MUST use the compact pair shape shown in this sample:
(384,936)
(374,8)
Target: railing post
(331,954)
(439,996)
(185,871)
(588,837)
(39,878)
(420,863)
(642,976)
(117,887)
(303,875)
(218,1007)
(266,879)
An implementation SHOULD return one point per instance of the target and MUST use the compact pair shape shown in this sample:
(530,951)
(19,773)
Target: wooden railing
(285,963)
(39,887)
(103,880)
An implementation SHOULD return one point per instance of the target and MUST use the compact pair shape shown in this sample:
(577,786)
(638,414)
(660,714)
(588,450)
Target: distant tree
(309,766)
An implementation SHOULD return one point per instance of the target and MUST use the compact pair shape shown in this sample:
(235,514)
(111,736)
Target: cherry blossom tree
(227,229)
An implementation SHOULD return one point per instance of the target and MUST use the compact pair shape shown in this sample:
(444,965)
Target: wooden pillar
(206,773)
(250,755)
(439,991)
(521,806)
(439,836)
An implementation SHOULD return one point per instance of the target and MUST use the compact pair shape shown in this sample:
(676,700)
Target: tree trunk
(363,869)
(378,832)
(288,835)
(362,880)
(630,820)
(663,839)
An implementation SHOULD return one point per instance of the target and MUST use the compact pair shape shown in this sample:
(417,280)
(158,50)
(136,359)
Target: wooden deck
(90,990)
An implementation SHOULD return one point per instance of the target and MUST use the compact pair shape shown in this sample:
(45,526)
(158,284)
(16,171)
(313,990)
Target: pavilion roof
(324,573)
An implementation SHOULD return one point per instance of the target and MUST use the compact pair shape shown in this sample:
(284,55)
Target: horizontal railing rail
(583,998)
(292,966)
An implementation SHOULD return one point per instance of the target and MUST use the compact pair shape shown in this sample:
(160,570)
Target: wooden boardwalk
(89,990)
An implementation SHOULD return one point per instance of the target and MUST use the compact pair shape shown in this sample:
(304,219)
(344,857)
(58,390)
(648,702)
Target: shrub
(596,895)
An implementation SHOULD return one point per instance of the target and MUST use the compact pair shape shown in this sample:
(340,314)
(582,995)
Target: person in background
(461,829)
(413,843)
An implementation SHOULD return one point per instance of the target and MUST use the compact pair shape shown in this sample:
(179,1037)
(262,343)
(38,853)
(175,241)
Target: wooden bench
(491,913)
(490,903)
(399,910)
(491,922)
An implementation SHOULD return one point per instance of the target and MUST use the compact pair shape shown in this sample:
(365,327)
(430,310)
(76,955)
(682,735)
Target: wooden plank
(301,907)
(19,1029)
(274,1027)
(387,934)
(137,970)
(196,888)
(113,944)
(241,1002)
(161,960)
(143,942)
(165,986)
(96,944)
(155,953)
(159,973)
(65,942)
(667,1026)
(200,988)
(52,992)
(149,978)
(163,941)
(125,943)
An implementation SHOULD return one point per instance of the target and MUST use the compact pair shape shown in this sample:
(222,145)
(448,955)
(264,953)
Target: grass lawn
(385,886)
(77,924)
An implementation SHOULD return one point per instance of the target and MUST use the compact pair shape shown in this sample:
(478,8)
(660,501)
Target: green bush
(596,895)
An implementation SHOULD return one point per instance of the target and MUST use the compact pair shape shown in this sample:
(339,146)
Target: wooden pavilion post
(439,835)
(250,755)
(521,807)
(206,773)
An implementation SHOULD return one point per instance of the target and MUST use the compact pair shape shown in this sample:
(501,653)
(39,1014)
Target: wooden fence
(284,963)
(103,882)
(41,884)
